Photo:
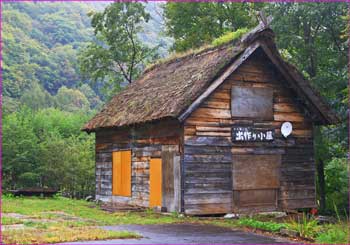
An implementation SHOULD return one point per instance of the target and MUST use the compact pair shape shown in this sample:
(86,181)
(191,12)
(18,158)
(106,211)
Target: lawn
(80,210)
(52,220)
(10,221)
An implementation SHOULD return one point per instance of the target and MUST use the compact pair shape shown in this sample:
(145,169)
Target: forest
(56,74)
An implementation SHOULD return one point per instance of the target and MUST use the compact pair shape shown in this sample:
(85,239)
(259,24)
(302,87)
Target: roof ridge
(246,39)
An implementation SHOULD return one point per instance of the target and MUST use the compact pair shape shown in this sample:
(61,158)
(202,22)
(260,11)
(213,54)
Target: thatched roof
(167,89)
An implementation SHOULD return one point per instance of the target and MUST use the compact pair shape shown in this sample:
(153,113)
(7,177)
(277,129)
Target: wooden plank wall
(208,148)
(145,142)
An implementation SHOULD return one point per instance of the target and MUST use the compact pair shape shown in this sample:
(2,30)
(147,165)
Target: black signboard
(250,134)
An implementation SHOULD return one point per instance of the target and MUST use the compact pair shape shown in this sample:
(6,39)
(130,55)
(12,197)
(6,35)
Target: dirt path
(186,234)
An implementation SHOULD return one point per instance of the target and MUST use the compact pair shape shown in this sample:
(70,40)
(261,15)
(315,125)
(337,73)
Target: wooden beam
(216,83)
(259,28)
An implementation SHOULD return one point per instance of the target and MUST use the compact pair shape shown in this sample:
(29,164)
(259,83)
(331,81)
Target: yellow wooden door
(126,172)
(155,185)
(116,176)
(121,175)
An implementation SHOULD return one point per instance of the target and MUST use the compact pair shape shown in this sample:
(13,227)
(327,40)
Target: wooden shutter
(121,175)
(252,102)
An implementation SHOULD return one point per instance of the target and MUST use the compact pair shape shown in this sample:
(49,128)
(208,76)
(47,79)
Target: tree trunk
(309,44)
(321,184)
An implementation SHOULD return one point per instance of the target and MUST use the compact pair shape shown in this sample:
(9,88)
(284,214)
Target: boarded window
(256,171)
(255,180)
(252,102)
(121,184)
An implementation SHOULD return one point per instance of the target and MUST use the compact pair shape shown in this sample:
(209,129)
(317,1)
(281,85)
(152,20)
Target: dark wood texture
(207,176)
(171,177)
(153,140)
(210,153)
(168,178)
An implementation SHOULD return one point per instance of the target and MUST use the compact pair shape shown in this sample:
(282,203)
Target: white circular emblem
(286,129)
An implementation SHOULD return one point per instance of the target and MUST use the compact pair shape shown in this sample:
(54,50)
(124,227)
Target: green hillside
(41,42)
(40,45)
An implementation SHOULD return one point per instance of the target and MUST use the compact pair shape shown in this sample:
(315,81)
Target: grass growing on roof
(178,55)
(229,36)
(224,39)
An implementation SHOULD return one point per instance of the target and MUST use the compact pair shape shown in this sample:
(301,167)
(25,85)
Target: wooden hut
(201,134)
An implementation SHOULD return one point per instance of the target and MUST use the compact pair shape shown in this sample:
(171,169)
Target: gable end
(318,110)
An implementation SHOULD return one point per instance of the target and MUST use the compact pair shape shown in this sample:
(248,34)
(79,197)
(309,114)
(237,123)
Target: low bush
(268,226)
(335,234)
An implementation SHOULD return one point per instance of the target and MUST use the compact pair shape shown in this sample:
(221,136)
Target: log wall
(152,140)
(209,151)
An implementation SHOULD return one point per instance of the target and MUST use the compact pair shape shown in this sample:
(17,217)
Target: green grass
(247,222)
(38,208)
(52,220)
(62,234)
(10,221)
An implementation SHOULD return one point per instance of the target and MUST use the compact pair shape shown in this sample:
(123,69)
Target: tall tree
(117,55)
(312,33)
(193,24)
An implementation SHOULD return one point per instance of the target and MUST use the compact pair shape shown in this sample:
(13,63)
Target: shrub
(336,234)
(336,185)
(268,226)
